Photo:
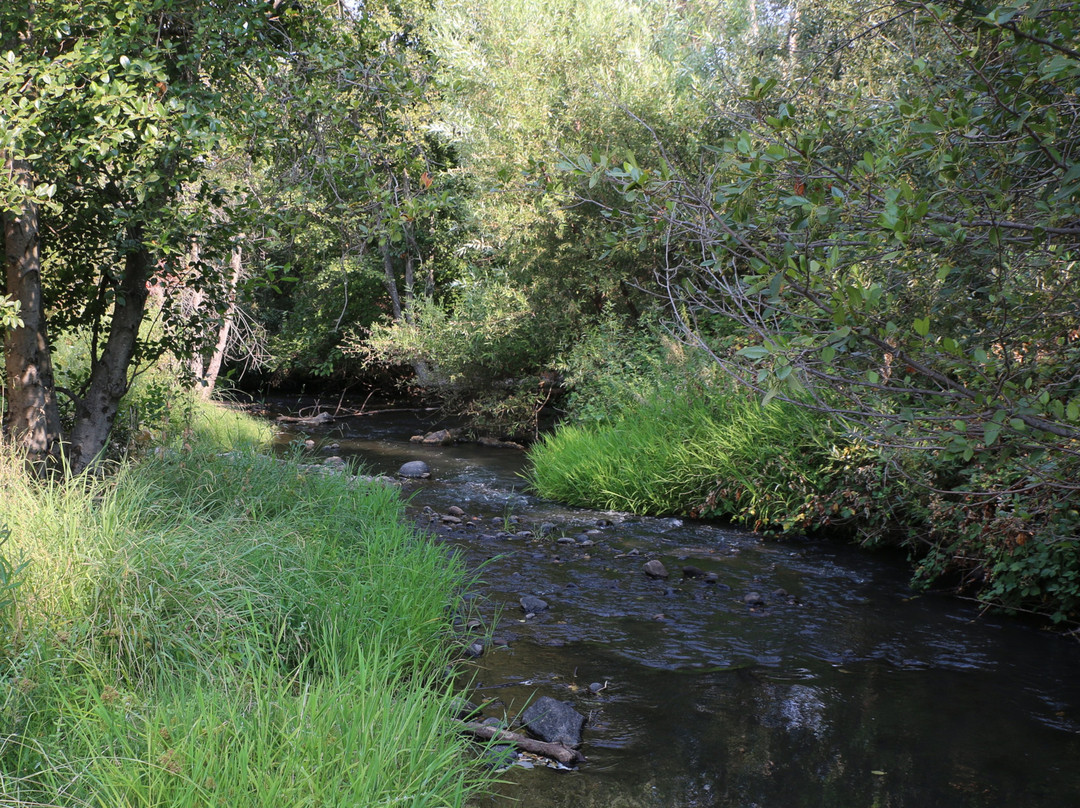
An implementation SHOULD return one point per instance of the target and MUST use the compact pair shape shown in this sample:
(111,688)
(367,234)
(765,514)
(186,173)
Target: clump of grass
(203,628)
(710,452)
(216,425)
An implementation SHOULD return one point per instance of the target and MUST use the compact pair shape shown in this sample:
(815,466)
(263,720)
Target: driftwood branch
(325,417)
(557,751)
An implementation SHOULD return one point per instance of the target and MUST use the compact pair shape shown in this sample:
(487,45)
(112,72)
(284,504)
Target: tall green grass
(209,629)
(713,452)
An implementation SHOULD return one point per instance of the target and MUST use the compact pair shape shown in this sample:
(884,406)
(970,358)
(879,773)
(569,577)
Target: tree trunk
(793,41)
(95,413)
(410,294)
(214,367)
(192,304)
(33,419)
(389,279)
(422,369)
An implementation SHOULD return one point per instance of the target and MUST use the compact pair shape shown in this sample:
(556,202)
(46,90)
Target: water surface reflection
(839,687)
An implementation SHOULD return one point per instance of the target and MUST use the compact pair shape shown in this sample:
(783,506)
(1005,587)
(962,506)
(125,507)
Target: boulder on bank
(554,721)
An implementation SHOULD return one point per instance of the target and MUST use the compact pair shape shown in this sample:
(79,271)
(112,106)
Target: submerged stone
(463,708)
(475,650)
(531,603)
(655,569)
(499,757)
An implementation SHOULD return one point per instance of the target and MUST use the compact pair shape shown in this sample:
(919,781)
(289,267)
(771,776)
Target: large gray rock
(415,468)
(554,721)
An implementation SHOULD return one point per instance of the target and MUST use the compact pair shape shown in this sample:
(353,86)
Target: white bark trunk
(793,41)
(225,330)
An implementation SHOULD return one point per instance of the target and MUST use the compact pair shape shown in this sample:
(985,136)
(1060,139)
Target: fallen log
(557,751)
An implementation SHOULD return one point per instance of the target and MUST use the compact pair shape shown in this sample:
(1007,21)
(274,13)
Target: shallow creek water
(842,688)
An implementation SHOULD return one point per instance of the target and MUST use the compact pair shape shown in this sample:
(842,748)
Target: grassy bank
(687,453)
(208,630)
(715,452)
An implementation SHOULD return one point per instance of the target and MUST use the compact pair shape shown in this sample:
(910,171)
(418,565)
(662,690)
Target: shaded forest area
(807,265)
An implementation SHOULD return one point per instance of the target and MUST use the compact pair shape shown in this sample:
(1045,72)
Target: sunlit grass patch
(211,628)
(681,452)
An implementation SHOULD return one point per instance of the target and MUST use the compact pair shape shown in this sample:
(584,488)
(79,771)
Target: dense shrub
(481,355)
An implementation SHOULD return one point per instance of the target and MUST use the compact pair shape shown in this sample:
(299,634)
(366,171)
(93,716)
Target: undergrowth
(211,629)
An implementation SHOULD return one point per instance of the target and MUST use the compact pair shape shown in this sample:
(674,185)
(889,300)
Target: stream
(795,673)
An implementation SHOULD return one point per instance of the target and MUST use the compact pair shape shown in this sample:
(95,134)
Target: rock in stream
(554,721)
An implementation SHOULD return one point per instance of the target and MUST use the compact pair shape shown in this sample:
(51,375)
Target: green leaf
(775,284)
(754,352)
(991,431)
(922,326)
(1001,15)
